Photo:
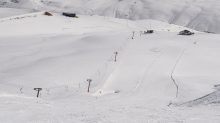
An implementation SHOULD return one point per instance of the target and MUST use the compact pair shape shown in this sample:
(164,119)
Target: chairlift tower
(21,89)
(133,34)
(38,90)
(116,53)
(89,80)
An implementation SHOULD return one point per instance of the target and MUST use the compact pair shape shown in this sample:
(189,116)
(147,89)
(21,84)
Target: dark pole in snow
(89,87)
(89,80)
(116,53)
(38,90)
(21,89)
(133,35)
(38,93)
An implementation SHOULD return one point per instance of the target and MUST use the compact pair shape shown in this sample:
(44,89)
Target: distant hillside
(202,15)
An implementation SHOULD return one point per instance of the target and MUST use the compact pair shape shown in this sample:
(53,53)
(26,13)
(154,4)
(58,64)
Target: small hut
(186,32)
(148,31)
(69,14)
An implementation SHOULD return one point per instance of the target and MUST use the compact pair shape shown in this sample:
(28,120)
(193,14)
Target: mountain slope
(201,15)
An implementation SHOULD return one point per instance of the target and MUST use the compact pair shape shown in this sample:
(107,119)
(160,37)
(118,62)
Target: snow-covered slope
(159,77)
(202,15)
(59,54)
(8,12)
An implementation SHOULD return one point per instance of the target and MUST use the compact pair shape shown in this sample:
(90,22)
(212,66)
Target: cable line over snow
(66,87)
(110,60)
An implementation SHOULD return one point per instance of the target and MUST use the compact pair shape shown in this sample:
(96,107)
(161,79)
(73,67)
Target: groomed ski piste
(158,77)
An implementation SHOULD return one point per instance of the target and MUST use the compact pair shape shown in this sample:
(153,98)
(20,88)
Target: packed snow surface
(158,77)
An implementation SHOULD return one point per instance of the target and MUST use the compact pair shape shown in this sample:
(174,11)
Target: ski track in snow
(139,81)
(177,88)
